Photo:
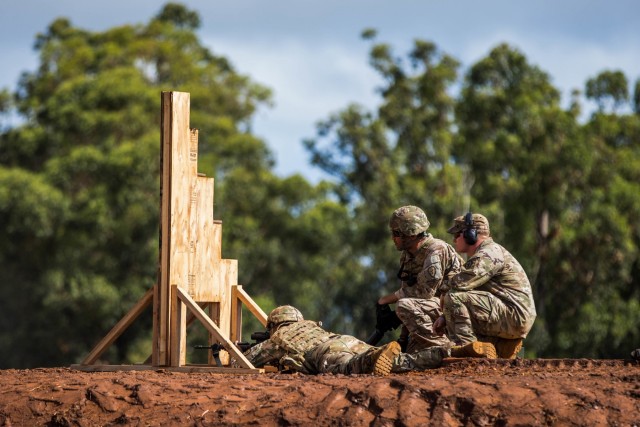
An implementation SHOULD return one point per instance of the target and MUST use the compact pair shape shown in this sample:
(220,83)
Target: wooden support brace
(178,330)
(254,308)
(120,327)
(238,297)
(185,298)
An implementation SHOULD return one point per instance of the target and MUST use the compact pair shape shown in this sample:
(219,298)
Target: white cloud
(309,53)
(309,82)
(569,60)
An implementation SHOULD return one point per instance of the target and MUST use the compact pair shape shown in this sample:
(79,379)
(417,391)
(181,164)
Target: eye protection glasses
(396,233)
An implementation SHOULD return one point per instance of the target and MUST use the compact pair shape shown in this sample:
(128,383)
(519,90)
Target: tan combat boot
(508,349)
(382,358)
(475,349)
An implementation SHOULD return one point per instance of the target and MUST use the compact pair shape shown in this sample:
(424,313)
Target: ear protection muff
(470,234)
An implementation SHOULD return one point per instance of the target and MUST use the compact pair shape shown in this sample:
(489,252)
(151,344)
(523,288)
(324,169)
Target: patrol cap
(480,223)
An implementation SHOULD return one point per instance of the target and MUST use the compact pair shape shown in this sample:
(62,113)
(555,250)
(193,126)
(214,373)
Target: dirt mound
(462,392)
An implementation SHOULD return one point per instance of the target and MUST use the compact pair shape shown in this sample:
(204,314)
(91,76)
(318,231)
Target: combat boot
(381,359)
(475,349)
(508,349)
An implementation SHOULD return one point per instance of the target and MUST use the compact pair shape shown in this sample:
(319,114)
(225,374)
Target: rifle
(257,338)
(386,320)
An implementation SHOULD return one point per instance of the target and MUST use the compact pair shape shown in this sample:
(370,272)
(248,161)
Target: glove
(386,319)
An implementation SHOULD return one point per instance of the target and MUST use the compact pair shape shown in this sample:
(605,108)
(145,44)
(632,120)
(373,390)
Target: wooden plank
(160,343)
(178,330)
(204,261)
(216,239)
(236,315)
(251,304)
(193,152)
(119,328)
(174,187)
(185,368)
(214,315)
(180,192)
(228,276)
(155,336)
(193,231)
(191,317)
(212,328)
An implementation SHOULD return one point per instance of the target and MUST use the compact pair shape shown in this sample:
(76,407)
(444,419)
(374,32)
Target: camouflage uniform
(419,304)
(491,296)
(305,347)
(422,359)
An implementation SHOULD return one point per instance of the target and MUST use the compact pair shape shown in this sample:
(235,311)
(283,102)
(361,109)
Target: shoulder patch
(431,270)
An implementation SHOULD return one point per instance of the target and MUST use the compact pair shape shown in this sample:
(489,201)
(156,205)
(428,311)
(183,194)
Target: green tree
(636,97)
(598,298)
(396,156)
(79,188)
(80,180)
(549,185)
(526,157)
(608,88)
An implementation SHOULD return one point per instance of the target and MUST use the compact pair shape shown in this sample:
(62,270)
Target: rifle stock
(375,337)
(386,320)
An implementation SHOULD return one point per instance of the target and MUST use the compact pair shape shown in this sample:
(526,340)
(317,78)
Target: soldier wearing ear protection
(490,299)
(425,265)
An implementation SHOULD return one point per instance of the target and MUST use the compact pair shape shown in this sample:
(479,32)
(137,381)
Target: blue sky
(312,57)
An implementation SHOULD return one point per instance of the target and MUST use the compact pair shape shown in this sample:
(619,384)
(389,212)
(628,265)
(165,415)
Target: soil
(463,392)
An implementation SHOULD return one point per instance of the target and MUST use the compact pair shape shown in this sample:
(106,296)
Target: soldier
(303,346)
(491,298)
(426,263)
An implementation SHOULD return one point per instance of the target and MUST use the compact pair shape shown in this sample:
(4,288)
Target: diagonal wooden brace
(120,327)
(213,329)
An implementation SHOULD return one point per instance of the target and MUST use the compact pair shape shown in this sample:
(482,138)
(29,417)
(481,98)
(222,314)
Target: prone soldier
(303,346)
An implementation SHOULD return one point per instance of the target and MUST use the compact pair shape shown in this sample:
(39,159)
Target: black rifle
(257,338)
(215,351)
(386,320)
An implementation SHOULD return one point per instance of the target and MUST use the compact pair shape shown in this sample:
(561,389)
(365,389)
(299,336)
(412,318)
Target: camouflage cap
(410,220)
(480,223)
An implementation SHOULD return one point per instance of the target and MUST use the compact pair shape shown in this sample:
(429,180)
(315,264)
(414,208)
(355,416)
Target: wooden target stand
(192,277)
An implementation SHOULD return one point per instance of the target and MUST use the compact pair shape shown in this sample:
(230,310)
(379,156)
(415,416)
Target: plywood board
(174,212)
(228,276)
(205,243)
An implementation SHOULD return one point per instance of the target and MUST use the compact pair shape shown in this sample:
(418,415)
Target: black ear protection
(470,234)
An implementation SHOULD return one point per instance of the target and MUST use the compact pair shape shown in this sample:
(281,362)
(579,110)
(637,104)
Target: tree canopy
(79,187)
